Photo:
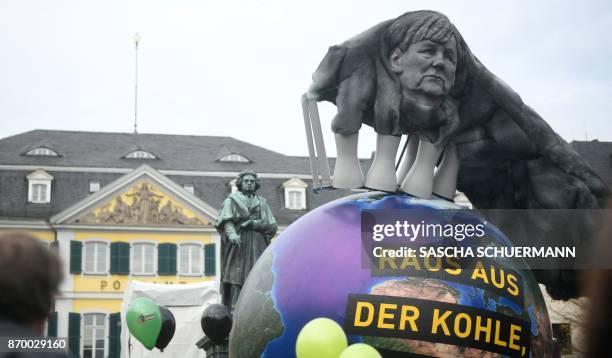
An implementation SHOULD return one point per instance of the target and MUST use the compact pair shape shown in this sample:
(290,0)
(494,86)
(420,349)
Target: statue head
(247,181)
(426,55)
(404,75)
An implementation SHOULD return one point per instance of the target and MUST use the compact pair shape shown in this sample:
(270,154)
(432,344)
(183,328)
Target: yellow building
(140,227)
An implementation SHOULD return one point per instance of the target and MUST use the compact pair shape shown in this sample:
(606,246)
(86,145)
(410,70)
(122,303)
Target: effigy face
(426,71)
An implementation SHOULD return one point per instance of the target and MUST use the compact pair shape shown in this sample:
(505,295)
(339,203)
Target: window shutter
(172,259)
(120,258)
(162,264)
(124,258)
(209,260)
(114,258)
(76,254)
(166,259)
(52,325)
(114,335)
(74,334)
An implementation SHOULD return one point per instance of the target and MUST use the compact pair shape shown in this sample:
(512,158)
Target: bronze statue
(246,225)
(416,75)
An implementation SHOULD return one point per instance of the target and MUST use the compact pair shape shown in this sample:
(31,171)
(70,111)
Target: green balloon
(360,350)
(320,338)
(144,321)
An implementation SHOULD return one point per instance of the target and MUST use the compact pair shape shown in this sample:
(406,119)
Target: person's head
(30,275)
(425,55)
(247,181)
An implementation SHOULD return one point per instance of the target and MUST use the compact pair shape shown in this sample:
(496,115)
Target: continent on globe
(257,326)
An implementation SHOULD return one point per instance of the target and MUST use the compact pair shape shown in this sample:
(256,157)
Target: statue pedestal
(212,349)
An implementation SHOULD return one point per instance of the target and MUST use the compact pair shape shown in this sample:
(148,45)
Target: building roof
(598,155)
(82,150)
(174,152)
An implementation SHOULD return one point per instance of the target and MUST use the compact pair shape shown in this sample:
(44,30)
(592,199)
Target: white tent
(186,302)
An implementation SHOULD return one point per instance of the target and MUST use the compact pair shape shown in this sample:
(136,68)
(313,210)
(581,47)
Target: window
(94,186)
(190,259)
(190,188)
(295,200)
(39,187)
(143,259)
(140,154)
(295,194)
(94,335)
(95,259)
(43,152)
(234,158)
(39,193)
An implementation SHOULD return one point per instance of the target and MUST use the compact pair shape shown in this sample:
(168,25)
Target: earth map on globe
(313,266)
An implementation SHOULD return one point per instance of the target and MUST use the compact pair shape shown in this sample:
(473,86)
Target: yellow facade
(117,283)
(110,283)
(127,236)
(106,306)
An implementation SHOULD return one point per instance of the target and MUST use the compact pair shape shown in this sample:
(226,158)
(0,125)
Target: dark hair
(30,275)
(242,175)
(416,26)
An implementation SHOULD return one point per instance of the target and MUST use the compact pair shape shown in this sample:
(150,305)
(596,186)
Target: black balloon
(216,322)
(167,329)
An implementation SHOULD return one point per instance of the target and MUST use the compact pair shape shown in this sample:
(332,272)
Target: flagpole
(136,41)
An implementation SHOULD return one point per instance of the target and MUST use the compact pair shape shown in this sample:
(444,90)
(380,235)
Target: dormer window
(237,158)
(295,194)
(39,187)
(140,154)
(42,152)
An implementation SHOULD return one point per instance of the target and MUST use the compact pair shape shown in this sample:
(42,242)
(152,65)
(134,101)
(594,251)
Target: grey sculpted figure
(415,75)
(246,225)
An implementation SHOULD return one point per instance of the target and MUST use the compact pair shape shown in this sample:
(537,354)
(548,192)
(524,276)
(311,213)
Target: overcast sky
(238,68)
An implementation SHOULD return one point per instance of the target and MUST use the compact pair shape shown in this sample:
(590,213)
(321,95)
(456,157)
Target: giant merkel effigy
(401,267)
